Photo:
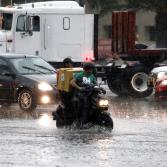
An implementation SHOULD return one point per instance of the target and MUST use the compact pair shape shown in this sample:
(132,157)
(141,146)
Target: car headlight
(44,87)
(45,99)
(103,103)
(160,75)
(163,83)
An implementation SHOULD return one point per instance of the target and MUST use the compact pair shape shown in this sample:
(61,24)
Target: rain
(139,135)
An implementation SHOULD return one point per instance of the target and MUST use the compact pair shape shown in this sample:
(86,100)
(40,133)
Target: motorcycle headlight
(163,83)
(44,87)
(103,103)
(160,75)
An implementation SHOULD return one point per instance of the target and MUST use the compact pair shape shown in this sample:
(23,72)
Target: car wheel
(26,100)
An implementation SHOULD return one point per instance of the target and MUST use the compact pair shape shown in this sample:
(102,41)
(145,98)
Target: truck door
(6,82)
(27,42)
(64,37)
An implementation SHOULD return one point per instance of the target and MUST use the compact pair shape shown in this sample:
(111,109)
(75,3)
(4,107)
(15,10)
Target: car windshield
(32,65)
(6,21)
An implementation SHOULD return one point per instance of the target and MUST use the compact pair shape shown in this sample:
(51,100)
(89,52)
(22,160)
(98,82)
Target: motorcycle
(96,108)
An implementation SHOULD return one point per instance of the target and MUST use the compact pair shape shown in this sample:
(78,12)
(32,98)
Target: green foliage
(5,2)
(160,7)
(103,6)
(8,2)
(155,5)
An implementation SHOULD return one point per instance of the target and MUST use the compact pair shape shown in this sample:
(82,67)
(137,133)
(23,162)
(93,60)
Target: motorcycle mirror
(29,25)
(104,79)
(103,91)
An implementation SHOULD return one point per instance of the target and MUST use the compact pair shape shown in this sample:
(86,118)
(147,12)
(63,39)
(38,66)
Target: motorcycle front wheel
(105,120)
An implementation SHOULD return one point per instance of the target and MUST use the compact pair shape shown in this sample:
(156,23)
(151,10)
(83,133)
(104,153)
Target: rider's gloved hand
(81,88)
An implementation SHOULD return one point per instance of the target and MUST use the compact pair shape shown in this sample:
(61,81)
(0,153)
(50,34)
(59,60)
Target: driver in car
(80,100)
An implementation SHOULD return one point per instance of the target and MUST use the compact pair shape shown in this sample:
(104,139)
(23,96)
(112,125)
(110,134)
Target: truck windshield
(6,21)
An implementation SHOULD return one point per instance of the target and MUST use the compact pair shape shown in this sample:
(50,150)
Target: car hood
(159,69)
(161,79)
(48,78)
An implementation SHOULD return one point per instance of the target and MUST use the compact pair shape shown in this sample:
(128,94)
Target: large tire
(26,100)
(136,82)
(115,81)
(104,119)
(115,85)
(131,81)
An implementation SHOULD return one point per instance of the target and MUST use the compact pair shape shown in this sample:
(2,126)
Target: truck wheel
(26,100)
(137,82)
(115,85)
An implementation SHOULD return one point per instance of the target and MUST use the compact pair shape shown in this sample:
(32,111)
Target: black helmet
(67,60)
(88,65)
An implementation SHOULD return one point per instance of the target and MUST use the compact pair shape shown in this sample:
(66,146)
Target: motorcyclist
(63,96)
(67,63)
(80,100)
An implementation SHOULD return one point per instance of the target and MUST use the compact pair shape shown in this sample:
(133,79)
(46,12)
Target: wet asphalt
(139,137)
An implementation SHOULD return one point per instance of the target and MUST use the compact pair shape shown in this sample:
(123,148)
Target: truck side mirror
(29,25)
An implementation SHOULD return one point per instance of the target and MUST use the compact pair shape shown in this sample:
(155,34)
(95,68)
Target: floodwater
(139,138)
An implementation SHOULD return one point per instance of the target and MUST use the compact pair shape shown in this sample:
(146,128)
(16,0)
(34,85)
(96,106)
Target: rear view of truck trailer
(128,72)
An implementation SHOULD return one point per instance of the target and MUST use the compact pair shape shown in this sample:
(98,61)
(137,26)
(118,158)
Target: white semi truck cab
(52,30)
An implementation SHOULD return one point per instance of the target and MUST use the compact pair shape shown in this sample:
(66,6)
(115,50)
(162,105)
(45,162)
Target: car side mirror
(8,74)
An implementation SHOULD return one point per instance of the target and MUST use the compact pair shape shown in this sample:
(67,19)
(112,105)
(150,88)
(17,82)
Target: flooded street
(52,50)
(139,138)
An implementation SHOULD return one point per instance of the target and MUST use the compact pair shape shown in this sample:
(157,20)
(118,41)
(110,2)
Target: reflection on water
(138,138)
(138,108)
(44,120)
(13,111)
(128,108)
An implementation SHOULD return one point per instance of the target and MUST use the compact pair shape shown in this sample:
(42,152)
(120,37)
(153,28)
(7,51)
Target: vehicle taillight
(88,57)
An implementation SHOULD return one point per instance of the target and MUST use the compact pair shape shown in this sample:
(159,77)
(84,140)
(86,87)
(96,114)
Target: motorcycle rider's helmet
(88,66)
(67,62)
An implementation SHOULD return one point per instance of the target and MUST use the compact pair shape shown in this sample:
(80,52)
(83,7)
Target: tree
(102,6)
(8,2)
(160,7)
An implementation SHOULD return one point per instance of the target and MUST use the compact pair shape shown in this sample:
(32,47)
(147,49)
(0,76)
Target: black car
(28,80)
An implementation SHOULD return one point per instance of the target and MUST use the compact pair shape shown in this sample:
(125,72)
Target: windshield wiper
(29,68)
(45,68)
